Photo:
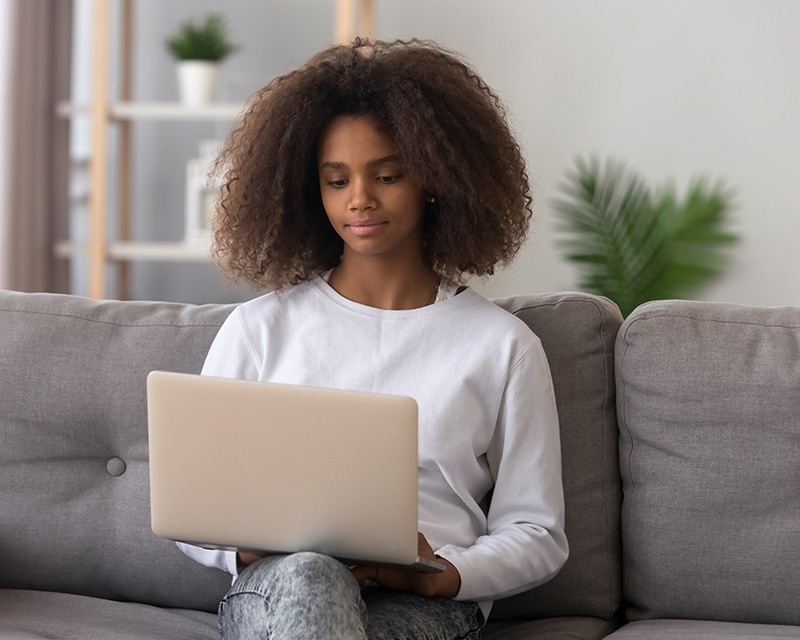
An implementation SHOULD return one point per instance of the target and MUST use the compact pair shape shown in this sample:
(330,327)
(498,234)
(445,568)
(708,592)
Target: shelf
(174,111)
(224,111)
(153,251)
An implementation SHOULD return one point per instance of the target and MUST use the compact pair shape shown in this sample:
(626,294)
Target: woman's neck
(385,285)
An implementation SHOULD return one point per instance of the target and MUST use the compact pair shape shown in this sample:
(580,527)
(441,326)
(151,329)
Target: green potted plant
(632,243)
(199,48)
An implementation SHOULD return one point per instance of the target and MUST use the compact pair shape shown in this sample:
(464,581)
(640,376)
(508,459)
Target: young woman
(364,187)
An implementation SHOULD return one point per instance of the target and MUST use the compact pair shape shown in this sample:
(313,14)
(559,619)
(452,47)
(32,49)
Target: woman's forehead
(349,138)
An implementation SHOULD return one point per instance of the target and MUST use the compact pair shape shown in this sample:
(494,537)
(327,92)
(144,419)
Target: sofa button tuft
(116,466)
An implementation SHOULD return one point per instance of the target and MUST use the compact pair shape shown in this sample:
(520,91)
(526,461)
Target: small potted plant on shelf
(199,49)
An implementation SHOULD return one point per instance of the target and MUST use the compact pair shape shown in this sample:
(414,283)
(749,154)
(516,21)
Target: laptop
(259,466)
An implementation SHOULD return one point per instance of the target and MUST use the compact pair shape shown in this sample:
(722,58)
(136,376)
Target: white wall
(676,89)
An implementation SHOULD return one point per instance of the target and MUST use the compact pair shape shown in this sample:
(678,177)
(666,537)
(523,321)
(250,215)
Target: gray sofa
(680,442)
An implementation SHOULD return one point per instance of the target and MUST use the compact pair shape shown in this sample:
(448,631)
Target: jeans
(309,595)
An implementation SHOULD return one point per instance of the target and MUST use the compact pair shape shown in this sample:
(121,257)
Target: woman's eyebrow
(332,165)
(372,163)
(384,160)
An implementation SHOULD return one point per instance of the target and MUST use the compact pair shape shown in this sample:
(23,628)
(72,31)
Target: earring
(431,199)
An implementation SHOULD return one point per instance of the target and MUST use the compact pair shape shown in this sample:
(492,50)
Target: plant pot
(197,82)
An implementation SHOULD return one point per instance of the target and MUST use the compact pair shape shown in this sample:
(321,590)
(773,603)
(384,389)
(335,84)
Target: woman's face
(373,203)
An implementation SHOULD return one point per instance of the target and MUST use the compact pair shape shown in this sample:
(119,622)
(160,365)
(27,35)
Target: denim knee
(299,595)
(314,569)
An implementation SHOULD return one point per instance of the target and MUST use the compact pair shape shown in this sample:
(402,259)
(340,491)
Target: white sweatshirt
(487,416)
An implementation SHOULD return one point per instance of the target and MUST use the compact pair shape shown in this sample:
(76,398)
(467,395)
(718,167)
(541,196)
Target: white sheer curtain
(34,158)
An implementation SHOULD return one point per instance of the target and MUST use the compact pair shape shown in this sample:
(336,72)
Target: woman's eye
(388,179)
(337,184)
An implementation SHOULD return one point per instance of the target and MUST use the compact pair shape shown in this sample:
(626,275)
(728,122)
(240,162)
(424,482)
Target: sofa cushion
(578,331)
(73,463)
(74,486)
(709,413)
(565,628)
(29,615)
(703,630)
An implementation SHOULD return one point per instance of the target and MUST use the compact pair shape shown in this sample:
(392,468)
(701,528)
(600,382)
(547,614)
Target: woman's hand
(245,559)
(443,584)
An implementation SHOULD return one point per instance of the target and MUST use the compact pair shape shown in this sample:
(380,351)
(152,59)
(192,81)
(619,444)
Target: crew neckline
(322,285)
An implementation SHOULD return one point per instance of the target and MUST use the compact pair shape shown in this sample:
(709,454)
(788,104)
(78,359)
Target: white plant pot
(197,82)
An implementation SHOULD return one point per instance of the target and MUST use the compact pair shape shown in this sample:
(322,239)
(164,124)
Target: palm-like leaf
(634,245)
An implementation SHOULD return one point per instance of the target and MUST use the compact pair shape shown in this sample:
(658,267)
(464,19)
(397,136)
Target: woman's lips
(365,227)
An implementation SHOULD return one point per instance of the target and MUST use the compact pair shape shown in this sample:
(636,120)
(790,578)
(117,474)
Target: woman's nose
(361,195)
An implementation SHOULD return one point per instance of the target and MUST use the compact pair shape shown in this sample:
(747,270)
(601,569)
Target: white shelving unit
(157,111)
(161,251)
(353,17)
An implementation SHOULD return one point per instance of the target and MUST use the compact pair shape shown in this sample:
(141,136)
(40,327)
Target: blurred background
(674,90)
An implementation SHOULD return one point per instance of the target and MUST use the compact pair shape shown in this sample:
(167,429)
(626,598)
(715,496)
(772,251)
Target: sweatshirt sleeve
(230,356)
(525,545)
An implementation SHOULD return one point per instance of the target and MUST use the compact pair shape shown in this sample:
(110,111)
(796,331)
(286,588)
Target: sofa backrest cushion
(74,485)
(709,413)
(578,332)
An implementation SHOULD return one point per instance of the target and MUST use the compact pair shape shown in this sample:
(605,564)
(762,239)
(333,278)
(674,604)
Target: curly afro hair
(450,132)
